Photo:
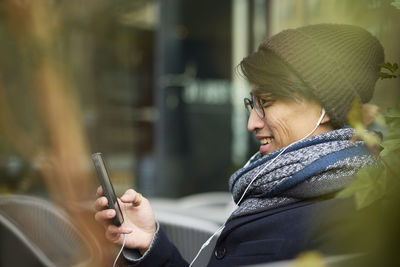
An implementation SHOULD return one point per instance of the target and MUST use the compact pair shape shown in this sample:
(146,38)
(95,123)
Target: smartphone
(108,189)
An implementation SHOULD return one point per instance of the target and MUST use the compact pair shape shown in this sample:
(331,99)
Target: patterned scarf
(314,167)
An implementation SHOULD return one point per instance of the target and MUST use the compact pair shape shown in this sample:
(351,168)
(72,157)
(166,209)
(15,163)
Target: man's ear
(326,119)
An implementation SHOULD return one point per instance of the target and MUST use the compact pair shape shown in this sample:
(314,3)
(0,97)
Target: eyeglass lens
(258,106)
(254,103)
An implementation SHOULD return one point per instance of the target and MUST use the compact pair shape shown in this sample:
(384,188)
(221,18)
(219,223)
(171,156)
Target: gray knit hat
(337,62)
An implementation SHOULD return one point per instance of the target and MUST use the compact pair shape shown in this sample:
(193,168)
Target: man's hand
(139,222)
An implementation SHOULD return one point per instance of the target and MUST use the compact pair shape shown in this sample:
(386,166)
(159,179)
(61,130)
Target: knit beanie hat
(338,63)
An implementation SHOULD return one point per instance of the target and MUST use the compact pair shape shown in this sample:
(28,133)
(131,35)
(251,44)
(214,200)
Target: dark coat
(271,235)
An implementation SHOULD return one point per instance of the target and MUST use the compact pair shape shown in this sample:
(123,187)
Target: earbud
(320,118)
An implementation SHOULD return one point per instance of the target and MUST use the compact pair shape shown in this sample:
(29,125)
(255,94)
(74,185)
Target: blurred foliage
(375,182)
(392,69)
(396,4)
(376,189)
(359,117)
(308,259)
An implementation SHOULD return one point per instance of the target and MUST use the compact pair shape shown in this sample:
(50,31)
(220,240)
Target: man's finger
(104,215)
(100,203)
(113,237)
(99,191)
(112,229)
(131,196)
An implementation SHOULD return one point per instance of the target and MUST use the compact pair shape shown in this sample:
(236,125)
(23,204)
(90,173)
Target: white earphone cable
(120,251)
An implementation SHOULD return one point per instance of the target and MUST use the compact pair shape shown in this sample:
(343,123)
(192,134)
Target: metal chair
(36,233)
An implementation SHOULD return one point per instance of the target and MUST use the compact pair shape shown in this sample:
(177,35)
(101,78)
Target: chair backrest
(214,207)
(43,229)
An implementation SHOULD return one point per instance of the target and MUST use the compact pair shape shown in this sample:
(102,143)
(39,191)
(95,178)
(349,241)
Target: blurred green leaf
(356,120)
(389,66)
(380,119)
(396,4)
(393,112)
(392,117)
(393,134)
(370,138)
(384,75)
(355,114)
(309,259)
(390,146)
(368,186)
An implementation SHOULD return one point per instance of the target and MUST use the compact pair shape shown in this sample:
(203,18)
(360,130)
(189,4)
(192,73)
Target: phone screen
(105,181)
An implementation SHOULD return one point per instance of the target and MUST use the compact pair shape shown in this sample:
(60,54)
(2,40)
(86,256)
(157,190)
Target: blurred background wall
(156,86)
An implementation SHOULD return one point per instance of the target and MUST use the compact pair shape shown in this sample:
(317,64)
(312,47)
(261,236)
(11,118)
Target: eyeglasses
(257,104)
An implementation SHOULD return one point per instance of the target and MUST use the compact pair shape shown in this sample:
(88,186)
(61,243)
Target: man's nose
(254,122)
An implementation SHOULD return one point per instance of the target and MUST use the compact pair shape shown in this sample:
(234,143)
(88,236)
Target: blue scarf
(314,167)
